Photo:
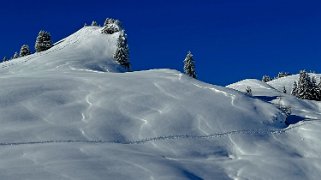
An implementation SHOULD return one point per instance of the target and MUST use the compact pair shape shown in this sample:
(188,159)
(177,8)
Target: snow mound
(258,87)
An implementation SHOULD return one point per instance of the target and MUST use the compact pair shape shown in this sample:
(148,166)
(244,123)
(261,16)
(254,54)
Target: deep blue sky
(230,39)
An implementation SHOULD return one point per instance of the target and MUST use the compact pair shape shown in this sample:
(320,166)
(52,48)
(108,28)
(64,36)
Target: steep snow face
(87,49)
(65,116)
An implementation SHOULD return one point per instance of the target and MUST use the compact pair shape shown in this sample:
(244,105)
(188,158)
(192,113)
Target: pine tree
(16,55)
(282,74)
(109,21)
(122,52)
(294,91)
(94,23)
(315,89)
(305,86)
(4,59)
(24,51)
(43,41)
(318,89)
(248,91)
(284,90)
(319,84)
(111,26)
(189,65)
(266,78)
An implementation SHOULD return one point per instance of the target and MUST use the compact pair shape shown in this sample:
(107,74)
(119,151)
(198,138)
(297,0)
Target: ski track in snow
(171,137)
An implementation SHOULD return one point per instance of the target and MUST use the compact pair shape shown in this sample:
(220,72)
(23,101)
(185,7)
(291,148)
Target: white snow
(65,115)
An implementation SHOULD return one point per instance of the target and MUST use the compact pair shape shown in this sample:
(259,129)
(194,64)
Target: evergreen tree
(111,26)
(294,91)
(316,94)
(108,21)
(284,90)
(24,51)
(94,23)
(319,84)
(4,59)
(16,55)
(43,41)
(189,65)
(266,78)
(248,91)
(122,52)
(282,74)
(305,86)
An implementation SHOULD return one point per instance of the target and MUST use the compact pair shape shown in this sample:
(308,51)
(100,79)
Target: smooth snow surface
(64,115)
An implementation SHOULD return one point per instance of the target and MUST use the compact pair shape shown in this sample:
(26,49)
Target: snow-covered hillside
(68,113)
(87,49)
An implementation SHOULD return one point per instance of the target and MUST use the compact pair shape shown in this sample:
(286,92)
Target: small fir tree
(189,65)
(282,74)
(266,78)
(111,26)
(109,21)
(316,92)
(4,59)
(319,84)
(305,86)
(94,23)
(16,55)
(43,41)
(24,51)
(284,90)
(122,52)
(294,91)
(248,91)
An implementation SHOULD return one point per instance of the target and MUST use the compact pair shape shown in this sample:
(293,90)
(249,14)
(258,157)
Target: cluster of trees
(121,55)
(111,26)
(307,87)
(267,78)
(43,42)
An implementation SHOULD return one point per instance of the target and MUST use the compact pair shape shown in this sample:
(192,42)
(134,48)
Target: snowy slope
(64,115)
(87,49)
(302,146)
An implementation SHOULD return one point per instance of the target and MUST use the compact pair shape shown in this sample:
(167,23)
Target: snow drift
(64,115)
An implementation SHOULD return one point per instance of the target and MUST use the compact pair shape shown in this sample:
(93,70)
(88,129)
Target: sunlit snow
(72,113)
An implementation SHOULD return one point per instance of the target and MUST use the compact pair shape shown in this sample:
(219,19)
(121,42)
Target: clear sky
(230,39)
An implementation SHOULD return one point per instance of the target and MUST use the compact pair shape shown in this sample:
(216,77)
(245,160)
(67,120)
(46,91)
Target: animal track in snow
(161,138)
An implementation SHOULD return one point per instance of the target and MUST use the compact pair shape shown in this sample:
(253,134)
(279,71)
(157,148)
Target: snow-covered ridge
(87,49)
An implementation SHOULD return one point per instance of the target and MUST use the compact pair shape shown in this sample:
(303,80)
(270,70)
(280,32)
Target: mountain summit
(87,49)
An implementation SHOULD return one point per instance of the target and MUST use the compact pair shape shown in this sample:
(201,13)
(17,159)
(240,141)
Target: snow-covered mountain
(71,113)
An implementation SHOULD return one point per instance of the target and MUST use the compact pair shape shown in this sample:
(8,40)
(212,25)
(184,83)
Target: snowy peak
(88,49)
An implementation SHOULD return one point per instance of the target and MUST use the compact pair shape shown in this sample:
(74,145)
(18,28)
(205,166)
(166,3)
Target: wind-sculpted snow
(65,115)
(164,138)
